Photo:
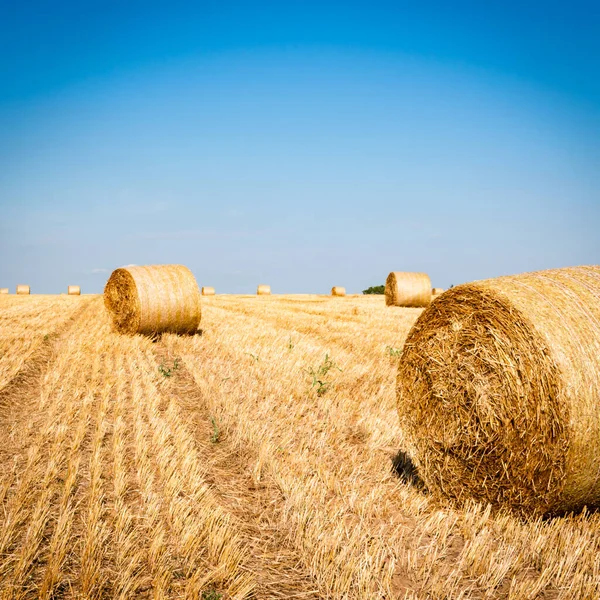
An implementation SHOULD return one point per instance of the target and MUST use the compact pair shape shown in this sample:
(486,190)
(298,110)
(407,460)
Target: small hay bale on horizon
(407,289)
(74,290)
(23,290)
(498,392)
(4,291)
(263,290)
(153,299)
(208,290)
(337,290)
(437,291)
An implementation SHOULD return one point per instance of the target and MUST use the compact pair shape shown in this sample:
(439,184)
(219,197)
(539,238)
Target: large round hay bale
(208,291)
(73,290)
(336,290)
(153,299)
(23,289)
(263,290)
(499,391)
(407,289)
(3,290)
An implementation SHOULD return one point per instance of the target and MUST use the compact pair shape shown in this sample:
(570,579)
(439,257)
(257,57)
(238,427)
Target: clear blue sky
(300,144)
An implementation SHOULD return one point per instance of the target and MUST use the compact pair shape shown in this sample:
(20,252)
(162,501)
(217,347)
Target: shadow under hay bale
(406,470)
(498,392)
(153,299)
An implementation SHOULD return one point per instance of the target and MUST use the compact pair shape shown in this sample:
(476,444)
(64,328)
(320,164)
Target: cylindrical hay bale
(437,291)
(499,391)
(263,290)
(407,289)
(208,291)
(23,289)
(153,299)
(74,290)
(336,290)
(3,290)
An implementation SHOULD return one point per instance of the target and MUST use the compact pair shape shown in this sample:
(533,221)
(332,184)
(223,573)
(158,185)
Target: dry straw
(23,289)
(407,289)
(499,387)
(153,299)
(74,290)
(208,291)
(263,290)
(336,290)
(3,290)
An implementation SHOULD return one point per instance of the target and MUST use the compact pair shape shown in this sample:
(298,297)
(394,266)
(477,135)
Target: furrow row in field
(27,326)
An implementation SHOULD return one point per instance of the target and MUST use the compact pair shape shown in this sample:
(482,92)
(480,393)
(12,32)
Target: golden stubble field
(253,460)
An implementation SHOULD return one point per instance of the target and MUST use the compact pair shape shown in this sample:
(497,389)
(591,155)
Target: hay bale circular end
(407,289)
(336,290)
(498,387)
(74,290)
(263,290)
(153,299)
(23,290)
(208,291)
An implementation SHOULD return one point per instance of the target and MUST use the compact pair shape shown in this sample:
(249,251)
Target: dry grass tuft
(407,289)
(263,290)
(153,299)
(23,290)
(338,291)
(498,389)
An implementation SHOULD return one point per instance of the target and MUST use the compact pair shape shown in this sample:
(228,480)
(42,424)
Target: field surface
(256,459)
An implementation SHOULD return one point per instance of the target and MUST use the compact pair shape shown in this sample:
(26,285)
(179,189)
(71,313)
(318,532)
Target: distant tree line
(375,289)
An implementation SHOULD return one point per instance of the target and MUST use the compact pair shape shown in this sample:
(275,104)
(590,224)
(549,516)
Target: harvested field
(254,459)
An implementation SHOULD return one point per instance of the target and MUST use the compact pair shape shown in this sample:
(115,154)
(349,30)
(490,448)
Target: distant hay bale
(263,290)
(153,299)
(437,291)
(336,290)
(498,391)
(208,291)
(74,290)
(407,289)
(23,290)
(3,290)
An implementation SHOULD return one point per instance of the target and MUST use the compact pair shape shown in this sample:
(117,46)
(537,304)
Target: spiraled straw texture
(23,289)
(407,289)
(498,391)
(153,299)
(263,290)
(208,291)
(74,290)
(3,290)
(336,290)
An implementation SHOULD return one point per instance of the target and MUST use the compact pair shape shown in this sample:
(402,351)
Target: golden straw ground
(499,391)
(407,289)
(153,299)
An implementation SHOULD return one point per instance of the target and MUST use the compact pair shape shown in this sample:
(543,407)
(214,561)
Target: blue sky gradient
(300,144)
